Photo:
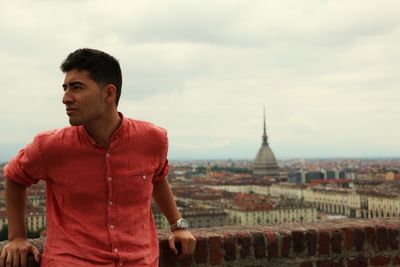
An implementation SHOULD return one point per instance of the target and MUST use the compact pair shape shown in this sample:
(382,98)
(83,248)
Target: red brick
(230,247)
(306,264)
(272,244)
(393,234)
(259,245)
(396,260)
(330,263)
(311,237)
(338,263)
(244,241)
(169,259)
(201,252)
(324,242)
(286,240)
(359,238)
(325,263)
(187,262)
(380,261)
(337,241)
(216,254)
(298,241)
(357,262)
(382,237)
(348,238)
(370,234)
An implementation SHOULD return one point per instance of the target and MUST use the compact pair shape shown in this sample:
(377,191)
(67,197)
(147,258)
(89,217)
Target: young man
(101,174)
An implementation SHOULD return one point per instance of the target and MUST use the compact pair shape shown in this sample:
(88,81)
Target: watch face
(182,223)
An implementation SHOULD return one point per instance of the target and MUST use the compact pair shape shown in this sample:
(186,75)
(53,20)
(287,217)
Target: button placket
(110,203)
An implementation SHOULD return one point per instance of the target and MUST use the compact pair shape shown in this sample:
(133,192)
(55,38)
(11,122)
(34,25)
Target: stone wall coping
(342,242)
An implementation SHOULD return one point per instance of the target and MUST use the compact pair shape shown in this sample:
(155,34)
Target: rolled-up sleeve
(28,166)
(163,170)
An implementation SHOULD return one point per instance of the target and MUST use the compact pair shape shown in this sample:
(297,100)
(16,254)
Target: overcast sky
(327,72)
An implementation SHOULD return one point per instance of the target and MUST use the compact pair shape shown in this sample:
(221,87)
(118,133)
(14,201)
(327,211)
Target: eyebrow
(72,84)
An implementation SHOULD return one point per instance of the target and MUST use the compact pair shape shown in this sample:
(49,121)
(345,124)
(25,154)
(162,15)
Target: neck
(102,129)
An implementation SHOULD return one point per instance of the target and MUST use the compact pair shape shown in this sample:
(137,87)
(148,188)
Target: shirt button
(120,263)
(115,250)
(110,203)
(110,178)
(112,226)
(144,176)
(108,155)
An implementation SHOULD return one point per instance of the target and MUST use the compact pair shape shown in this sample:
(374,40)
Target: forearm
(16,206)
(164,198)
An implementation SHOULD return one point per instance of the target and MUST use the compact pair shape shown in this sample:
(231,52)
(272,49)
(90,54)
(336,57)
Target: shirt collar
(119,132)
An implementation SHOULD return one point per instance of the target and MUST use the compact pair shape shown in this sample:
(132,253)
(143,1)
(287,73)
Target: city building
(244,208)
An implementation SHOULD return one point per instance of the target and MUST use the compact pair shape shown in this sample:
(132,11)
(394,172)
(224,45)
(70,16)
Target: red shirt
(98,200)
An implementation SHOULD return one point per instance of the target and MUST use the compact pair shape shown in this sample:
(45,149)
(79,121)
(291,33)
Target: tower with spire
(265,136)
(265,163)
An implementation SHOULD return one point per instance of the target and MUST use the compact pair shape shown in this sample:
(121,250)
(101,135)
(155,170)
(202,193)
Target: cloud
(327,71)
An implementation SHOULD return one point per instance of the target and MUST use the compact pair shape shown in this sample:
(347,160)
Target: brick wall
(345,243)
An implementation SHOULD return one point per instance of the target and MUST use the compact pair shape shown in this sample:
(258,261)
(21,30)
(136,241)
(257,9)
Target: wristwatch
(180,224)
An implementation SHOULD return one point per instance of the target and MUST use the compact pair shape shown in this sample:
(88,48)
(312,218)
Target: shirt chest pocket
(142,175)
(134,188)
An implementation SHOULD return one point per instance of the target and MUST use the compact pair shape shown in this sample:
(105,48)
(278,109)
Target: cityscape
(311,180)
(262,191)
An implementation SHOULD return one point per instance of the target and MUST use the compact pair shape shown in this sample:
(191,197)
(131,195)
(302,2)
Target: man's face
(83,98)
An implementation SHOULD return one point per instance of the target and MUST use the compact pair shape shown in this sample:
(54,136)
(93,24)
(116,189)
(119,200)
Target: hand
(186,240)
(15,253)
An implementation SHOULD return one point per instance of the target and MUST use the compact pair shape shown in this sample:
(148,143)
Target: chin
(74,122)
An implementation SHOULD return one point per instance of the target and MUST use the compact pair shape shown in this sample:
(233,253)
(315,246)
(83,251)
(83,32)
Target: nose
(67,98)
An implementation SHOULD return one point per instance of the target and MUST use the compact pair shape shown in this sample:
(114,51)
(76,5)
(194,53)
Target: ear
(110,93)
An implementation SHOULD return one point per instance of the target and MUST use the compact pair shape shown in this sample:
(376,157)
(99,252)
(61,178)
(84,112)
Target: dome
(265,162)
(265,157)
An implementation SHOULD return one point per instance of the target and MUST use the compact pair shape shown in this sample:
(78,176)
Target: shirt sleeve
(163,170)
(28,166)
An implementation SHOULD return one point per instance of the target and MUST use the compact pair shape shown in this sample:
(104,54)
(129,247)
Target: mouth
(71,111)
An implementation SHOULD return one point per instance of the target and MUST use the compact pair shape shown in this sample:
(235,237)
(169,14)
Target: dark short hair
(103,68)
